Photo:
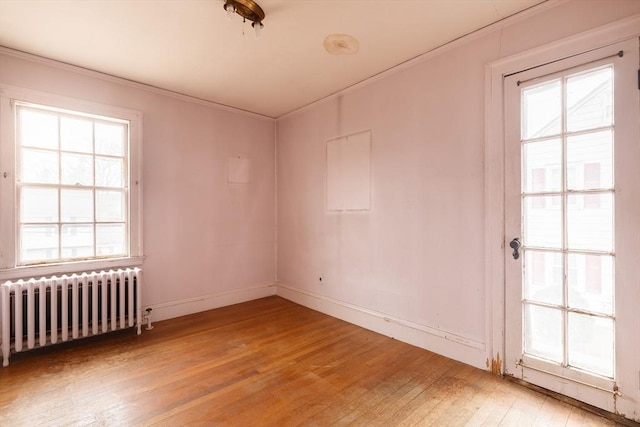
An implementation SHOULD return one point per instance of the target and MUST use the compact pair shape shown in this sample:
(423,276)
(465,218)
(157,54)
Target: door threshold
(574,402)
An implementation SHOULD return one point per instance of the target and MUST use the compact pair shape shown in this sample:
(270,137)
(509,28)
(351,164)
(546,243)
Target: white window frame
(9,268)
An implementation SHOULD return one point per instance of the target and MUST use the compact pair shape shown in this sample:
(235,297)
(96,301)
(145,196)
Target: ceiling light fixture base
(248,9)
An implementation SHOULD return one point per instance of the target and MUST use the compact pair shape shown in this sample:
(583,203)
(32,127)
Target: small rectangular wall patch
(349,173)
(238,170)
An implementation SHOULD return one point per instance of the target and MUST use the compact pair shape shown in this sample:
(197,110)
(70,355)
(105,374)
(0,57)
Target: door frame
(494,169)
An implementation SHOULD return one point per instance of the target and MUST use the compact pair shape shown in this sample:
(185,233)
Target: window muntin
(72,185)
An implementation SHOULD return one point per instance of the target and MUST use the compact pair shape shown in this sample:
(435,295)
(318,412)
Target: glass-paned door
(571,194)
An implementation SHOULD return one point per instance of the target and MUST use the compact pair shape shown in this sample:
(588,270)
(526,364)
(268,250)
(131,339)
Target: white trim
(67,102)
(453,346)
(126,82)
(172,309)
(579,43)
(493,226)
(494,157)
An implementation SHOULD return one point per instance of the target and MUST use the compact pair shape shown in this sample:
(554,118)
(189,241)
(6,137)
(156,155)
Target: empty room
(320,212)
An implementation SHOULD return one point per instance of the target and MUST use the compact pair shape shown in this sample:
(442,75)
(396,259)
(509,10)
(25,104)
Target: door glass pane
(543,332)
(77,240)
(543,277)
(590,100)
(39,205)
(591,343)
(590,221)
(569,155)
(541,163)
(543,221)
(591,282)
(76,205)
(541,110)
(591,156)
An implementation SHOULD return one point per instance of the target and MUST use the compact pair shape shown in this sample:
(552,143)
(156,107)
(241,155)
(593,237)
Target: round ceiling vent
(341,44)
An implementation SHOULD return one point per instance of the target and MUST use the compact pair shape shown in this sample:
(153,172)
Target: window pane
(38,129)
(589,226)
(77,169)
(543,332)
(39,205)
(543,277)
(39,242)
(541,160)
(39,167)
(110,139)
(72,175)
(541,110)
(76,135)
(110,206)
(77,205)
(543,221)
(109,172)
(110,239)
(591,343)
(591,283)
(592,154)
(589,100)
(77,241)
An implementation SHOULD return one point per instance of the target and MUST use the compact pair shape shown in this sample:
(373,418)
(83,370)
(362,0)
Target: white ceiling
(189,47)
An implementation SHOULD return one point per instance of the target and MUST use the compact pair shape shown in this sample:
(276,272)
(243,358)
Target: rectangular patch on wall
(238,170)
(349,173)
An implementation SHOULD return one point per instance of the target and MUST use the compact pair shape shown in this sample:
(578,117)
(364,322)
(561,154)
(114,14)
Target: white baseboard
(438,341)
(172,309)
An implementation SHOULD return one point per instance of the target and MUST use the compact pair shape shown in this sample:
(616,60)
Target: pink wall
(419,254)
(202,236)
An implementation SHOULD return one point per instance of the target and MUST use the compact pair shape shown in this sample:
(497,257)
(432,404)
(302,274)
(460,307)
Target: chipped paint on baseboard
(496,365)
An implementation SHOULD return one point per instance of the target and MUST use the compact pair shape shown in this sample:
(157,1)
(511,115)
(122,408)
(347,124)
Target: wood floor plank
(553,412)
(267,362)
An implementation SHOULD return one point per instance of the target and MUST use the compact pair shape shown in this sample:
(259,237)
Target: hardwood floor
(267,362)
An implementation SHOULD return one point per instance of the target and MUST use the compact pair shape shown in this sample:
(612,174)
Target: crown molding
(126,82)
(439,50)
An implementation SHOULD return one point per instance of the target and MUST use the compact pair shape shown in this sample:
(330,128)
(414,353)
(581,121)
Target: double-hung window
(70,186)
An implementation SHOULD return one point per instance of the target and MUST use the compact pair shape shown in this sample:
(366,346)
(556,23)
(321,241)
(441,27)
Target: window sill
(37,271)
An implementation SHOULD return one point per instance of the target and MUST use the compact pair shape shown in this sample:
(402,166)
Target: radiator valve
(148,316)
